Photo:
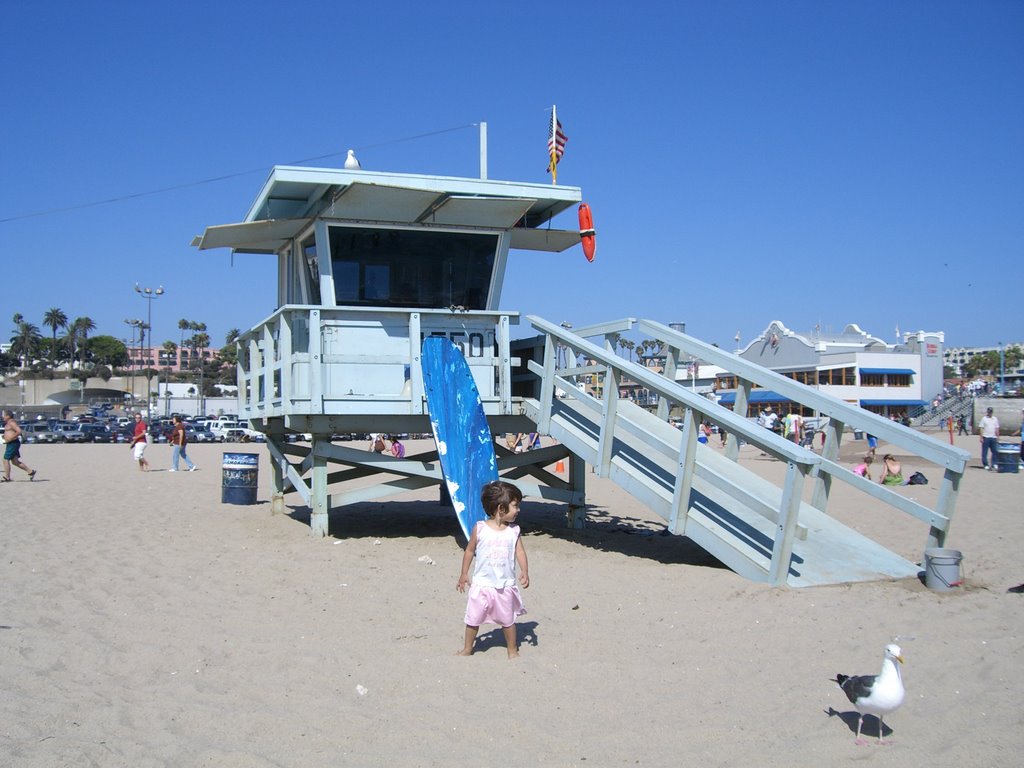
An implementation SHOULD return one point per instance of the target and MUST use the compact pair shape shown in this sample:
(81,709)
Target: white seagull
(351,162)
(879,694)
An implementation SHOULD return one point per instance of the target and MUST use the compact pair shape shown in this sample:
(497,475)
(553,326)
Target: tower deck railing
(363,361)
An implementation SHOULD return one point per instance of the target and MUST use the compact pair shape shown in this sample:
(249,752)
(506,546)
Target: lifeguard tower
(370,263)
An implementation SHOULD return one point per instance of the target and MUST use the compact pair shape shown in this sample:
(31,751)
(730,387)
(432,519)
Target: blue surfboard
(464,443)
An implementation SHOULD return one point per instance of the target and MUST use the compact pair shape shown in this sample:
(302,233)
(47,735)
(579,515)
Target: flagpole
(483,150)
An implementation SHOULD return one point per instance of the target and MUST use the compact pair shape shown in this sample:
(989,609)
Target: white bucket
(943,569)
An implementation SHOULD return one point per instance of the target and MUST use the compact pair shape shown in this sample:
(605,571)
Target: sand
(144,623)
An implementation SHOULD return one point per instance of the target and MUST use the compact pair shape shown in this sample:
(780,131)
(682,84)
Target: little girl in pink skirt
(497,548)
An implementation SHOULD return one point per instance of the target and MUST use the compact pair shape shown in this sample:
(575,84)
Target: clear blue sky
(811,162)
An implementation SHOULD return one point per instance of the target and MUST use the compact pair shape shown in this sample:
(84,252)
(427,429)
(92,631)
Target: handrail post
(785,530)
(251,375)
(284,338)
(547,385)
(606,437)
(415,367)
(504,365)
(684,474)
(269,353)
(316,357)
(671,367)
(822,478)
(948,492)
(739,407)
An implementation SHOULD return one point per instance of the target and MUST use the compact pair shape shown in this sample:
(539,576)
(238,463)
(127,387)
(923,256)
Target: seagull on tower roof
(352,162)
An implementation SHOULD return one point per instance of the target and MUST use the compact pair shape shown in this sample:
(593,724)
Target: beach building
(852,365)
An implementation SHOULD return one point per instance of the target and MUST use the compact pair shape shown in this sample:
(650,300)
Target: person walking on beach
(12,448)
(178,441)
(793,427)
(989,428)
(138,443)
(496,547)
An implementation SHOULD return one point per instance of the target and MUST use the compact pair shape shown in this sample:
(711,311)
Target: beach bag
(917,479)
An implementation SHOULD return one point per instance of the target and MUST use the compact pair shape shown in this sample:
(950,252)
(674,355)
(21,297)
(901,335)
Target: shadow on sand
(604,531)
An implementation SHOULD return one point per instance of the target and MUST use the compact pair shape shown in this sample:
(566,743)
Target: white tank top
(494,562)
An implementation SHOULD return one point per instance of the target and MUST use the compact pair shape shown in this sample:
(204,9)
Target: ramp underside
(731,511)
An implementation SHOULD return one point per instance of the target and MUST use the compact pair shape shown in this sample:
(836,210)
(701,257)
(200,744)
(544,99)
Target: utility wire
(225,177)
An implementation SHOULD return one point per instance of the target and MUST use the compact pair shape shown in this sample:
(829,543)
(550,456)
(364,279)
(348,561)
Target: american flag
(556,144)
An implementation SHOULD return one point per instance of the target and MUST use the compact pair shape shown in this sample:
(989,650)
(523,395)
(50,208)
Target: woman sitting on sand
(892,472)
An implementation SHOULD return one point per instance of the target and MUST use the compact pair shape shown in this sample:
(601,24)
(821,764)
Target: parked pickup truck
(220,427)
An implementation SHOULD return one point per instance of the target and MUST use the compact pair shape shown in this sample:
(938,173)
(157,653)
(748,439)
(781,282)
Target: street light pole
(134,324)
(1002,369)
(149,294)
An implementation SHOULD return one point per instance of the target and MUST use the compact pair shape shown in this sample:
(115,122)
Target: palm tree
(232,337)
(25,343)
(183,325)
(54,319)
(82,327)
(170,353)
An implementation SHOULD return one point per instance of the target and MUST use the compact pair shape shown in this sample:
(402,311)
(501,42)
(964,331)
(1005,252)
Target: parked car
(68,432)
(96,433)
(201,436)
(38,432)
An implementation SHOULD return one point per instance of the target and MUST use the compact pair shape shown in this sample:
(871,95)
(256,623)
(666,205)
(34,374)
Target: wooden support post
(547,386)
(284,341)
(577,513)
(823,480)
(785,530)
(945,506)
(684,474)
(504,365)
(276,440)
(739,407)
(319,519)
(606,437)
(671,366)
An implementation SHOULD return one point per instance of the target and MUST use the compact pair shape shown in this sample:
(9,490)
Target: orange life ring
(587,235)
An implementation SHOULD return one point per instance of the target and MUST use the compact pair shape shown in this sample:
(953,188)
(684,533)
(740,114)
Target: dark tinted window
(411,268)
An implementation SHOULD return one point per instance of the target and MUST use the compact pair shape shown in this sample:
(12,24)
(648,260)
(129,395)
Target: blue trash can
(239,476)
(1008,457)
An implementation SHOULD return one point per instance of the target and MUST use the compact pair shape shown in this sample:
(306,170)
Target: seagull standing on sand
(879,694)
(351,162)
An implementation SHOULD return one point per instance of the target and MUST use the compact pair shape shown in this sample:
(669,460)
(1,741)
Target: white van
(220,426)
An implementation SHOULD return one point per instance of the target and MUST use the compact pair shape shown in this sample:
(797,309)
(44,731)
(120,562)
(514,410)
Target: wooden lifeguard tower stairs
(370,263)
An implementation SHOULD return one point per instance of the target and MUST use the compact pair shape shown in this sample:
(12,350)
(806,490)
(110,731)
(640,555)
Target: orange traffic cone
(560,466)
